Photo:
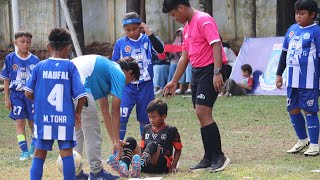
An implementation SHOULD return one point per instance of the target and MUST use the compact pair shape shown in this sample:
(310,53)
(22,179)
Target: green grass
(255,131)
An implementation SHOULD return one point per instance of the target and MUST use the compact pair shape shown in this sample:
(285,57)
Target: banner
(263,55)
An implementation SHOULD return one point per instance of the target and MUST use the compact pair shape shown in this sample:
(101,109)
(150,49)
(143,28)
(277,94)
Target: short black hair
(22,33)
(309,5)
(131,15)
(59,38)
(169,5)
(159,106)
(246,67)
(128,63)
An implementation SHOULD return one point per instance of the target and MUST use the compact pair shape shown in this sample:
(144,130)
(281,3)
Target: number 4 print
(55,97)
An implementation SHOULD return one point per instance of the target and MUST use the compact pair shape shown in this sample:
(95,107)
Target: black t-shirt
(168,137)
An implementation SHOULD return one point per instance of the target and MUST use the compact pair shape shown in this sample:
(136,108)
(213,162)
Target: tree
(285,16)
(75,10)
(137,6)
(207,6)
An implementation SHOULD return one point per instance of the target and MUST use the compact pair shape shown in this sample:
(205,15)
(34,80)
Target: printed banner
(263,55)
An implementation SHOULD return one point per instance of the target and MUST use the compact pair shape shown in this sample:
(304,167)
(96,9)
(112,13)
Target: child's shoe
(313,150)
(301,144)
(123,170)
(113,162)
(136,166)
(24,156)
(118,166)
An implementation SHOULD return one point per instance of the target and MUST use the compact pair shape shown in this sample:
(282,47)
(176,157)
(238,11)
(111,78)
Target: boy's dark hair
(246,67)
(159,106)
(169,5)
(128,63)
(309,5)
(131,15)
(22,33)
(59,38)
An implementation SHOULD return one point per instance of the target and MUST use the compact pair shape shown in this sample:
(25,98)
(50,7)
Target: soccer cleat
(24,155)
(103,175)
(160,91)
(118,166)
(136,166)
(202,165)
(82,176)
(219,163)
(31,150)
(113,162)
(313,150)
(299,146)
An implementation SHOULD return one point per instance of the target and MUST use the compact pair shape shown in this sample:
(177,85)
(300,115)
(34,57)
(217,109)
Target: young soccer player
(242,88)
(300,54)
(16,70)
(138,46)
(202,47)
(156,146)
(54,83)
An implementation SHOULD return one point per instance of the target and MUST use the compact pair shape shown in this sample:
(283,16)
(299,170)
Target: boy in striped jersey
(300,54)
(54,83)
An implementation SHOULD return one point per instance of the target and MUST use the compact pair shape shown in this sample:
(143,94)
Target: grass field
(255,130)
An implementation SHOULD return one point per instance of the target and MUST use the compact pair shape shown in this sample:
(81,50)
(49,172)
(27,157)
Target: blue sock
(299,125)
(68,168)
(123,130)
(22,142)
(36,169)
(313,127)
(142,125)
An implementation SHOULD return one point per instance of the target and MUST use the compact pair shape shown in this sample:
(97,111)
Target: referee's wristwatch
(216,71)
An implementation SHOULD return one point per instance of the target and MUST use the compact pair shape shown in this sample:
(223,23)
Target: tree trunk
(137,6)
(285,16)
(75,9)
(206,6)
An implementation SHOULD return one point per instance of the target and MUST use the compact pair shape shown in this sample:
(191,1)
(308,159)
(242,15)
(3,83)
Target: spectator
(237,89)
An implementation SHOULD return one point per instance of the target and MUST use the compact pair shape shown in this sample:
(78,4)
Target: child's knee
(20,124)
(132,143)
(151,148)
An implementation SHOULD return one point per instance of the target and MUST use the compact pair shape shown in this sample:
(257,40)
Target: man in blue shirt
(102,77)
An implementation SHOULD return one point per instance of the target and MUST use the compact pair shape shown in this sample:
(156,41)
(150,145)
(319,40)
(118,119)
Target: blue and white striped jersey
(18,70)
(55,83)
(100,76)
(140,50)
(303,51)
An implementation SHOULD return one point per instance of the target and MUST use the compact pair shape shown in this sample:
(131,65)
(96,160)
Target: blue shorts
(305,99)
(22,107)
(136,94)
(47,144)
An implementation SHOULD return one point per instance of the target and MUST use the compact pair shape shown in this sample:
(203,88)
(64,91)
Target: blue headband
(131,21)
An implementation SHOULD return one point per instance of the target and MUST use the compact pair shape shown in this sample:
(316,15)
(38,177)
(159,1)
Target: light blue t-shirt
(100,76)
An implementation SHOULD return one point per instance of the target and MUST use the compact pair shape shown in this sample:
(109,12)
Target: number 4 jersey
(55,83)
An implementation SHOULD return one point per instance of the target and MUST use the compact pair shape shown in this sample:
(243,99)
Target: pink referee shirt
(199,34)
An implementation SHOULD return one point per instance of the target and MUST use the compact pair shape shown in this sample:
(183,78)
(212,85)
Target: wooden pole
(71,28)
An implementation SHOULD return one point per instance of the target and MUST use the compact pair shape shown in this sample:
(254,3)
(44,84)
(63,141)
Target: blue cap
(131,21)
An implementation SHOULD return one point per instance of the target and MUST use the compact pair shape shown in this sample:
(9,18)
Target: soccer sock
(36,169)
(150,149)
(142,125)
(123,130)
(22,142)
(206,143)
(299,125)
(313,127)
(128,149)
(68,168)
(212,140)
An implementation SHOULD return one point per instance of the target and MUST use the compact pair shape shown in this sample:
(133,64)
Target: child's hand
(145,28)
(279,82)
(78,121)
(7,103)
